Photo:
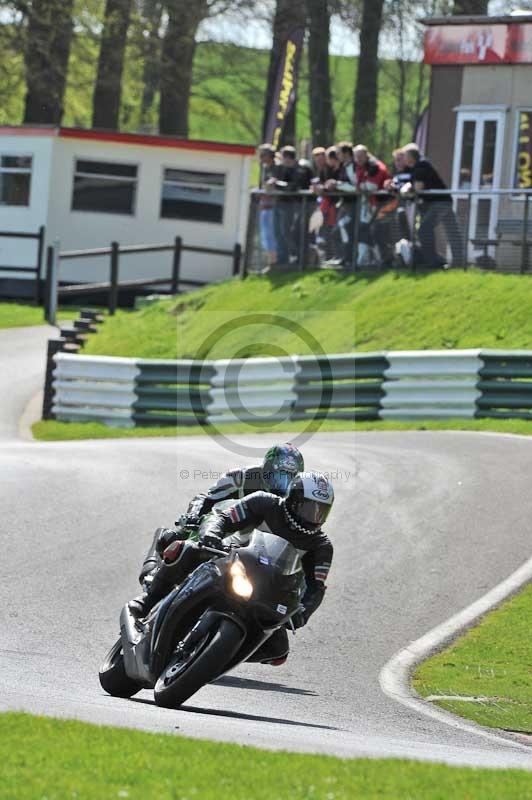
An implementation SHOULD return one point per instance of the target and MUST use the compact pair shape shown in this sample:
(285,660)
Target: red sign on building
(479,44)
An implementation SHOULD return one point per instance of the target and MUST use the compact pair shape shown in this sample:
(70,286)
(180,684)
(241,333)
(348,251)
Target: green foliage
(60,759)
(228,87)
(491,664)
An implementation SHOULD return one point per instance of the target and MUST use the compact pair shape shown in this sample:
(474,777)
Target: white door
(477,168)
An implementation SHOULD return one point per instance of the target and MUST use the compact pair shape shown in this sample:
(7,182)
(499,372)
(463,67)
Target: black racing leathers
(268,512)
(232,485)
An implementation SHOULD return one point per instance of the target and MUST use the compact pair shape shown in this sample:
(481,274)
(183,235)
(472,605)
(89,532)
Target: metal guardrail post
(48,282)
(357,210)
(38,267)
(176,264)
(52,280)
(237,258)
(250,233)
(466,232)
(113,277)
(303,227)
(54,346)
(524,241)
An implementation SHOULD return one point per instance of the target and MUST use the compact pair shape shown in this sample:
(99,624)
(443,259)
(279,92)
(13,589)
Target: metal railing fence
(55,289)
(34,270)
(489,229)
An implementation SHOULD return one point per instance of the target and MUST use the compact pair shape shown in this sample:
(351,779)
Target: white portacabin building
(89,188)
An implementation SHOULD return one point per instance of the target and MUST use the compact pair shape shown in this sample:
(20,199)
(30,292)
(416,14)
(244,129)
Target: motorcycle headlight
(240,582)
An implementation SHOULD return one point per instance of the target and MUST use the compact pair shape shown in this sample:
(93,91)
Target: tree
(470,7)
(289,16)
(321,108)
(49,36)
(365,108)
(179,45)
(151,17)
(108,88)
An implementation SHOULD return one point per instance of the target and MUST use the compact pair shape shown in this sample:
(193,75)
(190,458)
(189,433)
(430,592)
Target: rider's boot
(165,579)
(161,539)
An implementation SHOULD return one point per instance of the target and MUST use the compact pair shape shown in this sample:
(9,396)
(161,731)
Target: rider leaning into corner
(298,517)
(280,464)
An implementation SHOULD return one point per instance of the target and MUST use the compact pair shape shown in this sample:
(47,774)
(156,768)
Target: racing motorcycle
(217,618)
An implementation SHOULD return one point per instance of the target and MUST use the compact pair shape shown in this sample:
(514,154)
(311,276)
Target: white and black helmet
(308,501)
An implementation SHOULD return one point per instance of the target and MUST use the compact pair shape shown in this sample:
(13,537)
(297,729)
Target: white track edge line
(395,676)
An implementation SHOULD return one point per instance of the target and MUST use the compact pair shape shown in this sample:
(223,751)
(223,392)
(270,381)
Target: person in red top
(372,176)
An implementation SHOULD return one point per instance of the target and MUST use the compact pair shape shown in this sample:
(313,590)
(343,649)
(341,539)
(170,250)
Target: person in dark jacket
(298,518)
(280,465)
(434,210)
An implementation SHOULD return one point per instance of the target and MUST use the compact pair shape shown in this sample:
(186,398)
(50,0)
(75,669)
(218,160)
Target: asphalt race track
(423,525)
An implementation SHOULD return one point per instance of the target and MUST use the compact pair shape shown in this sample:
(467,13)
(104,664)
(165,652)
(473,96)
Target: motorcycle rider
(298,517)
(281,463)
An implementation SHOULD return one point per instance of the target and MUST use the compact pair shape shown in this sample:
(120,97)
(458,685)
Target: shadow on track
(215,712)
(248,683)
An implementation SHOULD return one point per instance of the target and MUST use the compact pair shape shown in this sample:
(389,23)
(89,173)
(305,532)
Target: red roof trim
(128,138)
(155,141)
(28,130)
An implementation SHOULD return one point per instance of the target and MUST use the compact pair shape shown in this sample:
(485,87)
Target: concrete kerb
(396,676)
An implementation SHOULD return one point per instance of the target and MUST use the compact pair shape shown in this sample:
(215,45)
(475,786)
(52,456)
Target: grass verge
(56,759)
(323,309)
(489,667)
(52,430)
(22,315)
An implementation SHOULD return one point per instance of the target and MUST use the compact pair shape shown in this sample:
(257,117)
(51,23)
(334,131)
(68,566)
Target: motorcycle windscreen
(276,551)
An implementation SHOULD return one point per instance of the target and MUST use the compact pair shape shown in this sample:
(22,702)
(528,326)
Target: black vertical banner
(284,94)
(523,165)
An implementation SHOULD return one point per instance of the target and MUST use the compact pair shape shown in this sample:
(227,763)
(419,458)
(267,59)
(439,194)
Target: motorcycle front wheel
(113,677)
(187,671)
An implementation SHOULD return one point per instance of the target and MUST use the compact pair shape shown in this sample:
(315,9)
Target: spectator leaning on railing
(268,239)
(346,183)
(371,176)
(434,210)
(290,176)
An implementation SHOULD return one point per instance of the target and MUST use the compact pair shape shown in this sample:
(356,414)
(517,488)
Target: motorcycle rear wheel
(180,680)
(113,677)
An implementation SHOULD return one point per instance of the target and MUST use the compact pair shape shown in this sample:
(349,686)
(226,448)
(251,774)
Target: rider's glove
(212,540)
(299,619)
(188,520)
(166,537)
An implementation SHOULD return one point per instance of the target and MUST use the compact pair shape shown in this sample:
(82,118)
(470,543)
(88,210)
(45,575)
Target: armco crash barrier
(128,391)
(399,385)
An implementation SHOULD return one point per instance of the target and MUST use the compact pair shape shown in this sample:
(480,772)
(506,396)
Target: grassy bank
(45,758)
(21,315)
(328,311)
(53,431)
(487,672)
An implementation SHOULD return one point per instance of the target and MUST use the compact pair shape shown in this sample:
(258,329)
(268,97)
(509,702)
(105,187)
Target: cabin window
(192,195)
(15,180)
(104,187)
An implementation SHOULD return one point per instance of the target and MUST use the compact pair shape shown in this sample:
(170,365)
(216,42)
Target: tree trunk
(289,15)
(46,60)
(151,74)
(365,109)
(470,7)
(321,108)
(108,89)
(177,62)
